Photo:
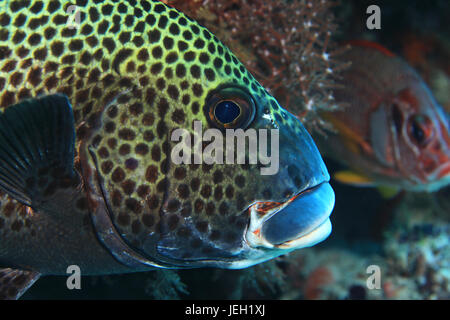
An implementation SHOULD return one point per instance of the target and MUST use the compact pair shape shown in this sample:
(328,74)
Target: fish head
(179,204)
(234,215)
(420,140)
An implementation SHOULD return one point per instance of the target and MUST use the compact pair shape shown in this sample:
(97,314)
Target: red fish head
(419,146)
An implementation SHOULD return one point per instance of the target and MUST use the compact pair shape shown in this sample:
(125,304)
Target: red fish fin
(359,180)
(353,178)
(14,282)
(370,44)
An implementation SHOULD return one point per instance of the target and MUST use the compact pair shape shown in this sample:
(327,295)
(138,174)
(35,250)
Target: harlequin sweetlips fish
(393,132)
(86,177)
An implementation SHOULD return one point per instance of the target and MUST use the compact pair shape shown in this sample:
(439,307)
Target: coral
(263,280)
(316,273)
(413,258)
(265,277)
(317,279)
(287,45)
(187,6)
(165,285)
(416,247)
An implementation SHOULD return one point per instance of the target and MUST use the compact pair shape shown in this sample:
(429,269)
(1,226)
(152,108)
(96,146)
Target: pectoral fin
(37,139)
(359,180)
(14,282)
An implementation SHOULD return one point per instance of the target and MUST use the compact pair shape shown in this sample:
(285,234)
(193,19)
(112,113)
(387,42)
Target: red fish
(393,131)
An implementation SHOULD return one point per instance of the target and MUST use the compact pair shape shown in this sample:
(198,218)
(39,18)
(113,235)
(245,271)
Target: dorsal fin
(37,138)
(370,44)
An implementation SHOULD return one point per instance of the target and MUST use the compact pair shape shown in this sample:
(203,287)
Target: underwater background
(407,235)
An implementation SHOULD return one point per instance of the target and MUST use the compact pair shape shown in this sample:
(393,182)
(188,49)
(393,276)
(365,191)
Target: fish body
(393,132)
(87,176)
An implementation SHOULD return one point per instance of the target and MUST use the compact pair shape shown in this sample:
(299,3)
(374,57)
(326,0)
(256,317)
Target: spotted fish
(86,173)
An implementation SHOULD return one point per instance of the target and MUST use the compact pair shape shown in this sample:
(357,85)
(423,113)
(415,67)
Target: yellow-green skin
(134,71)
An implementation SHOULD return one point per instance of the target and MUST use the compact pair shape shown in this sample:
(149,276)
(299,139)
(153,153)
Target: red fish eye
(420,129)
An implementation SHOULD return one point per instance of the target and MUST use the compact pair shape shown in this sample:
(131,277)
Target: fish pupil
(227,111)
(421,129)
(417,133)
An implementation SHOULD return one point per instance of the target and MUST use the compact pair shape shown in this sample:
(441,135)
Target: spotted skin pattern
(134,71)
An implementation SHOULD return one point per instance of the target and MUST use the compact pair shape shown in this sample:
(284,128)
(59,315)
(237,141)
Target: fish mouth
(444,171)
(440,178)
(302,221)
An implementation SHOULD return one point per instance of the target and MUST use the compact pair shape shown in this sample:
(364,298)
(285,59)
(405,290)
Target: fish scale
(99,58)
(131,72)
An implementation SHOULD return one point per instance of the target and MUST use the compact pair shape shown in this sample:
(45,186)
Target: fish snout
(444,171)
(303,221)
(301,164)
(440,178)
(435,165)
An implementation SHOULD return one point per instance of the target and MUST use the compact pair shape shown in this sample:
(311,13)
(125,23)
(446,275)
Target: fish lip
(438,179)
(256,249)
(257,234)
(443,171)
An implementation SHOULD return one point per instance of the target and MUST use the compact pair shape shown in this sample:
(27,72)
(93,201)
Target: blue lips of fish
(302,222)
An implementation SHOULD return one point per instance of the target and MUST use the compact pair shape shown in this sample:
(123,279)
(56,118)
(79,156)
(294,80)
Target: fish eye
(230,108)
(420,129)
(227,111)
